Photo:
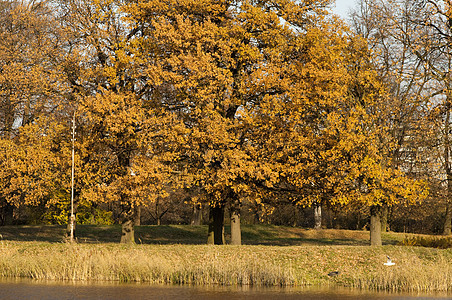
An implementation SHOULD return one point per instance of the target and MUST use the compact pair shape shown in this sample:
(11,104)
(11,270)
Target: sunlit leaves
(262,100)
(32,169)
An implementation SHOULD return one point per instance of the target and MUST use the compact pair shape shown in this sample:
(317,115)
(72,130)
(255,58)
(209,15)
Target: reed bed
(417,269)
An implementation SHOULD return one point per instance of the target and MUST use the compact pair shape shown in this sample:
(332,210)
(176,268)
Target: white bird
(389,262)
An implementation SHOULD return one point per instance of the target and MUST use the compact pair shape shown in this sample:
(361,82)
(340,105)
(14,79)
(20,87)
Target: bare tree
(411,41)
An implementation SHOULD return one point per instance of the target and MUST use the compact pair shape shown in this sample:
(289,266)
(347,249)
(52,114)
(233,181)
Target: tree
(228,100)
(123,135)
(34,166)
(337,152)
(122,153)
(29,93)
(28,79)
(414,38)
(212,63)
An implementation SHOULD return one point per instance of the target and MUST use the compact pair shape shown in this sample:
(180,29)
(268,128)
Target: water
(28,289)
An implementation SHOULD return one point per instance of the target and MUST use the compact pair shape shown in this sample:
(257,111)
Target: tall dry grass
(416,269)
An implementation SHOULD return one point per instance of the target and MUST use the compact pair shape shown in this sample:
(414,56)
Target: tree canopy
(225,101)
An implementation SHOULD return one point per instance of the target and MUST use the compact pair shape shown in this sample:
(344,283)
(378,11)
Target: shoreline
(417,269)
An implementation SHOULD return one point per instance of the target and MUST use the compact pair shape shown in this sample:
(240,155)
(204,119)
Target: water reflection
(28,289)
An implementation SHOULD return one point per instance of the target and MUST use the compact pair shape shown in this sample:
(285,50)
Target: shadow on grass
(185,234)
(313,242)
(171,234)
(165,234)
(44,233)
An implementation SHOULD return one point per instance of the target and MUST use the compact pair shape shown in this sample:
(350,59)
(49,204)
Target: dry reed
(417,269)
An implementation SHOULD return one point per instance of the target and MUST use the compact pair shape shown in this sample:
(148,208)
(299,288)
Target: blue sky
(343,6)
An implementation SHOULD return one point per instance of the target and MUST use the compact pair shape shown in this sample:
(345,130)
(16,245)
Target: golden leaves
(235,98)
(30,169)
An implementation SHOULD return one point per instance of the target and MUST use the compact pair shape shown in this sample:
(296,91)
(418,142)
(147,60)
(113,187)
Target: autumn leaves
(228,101)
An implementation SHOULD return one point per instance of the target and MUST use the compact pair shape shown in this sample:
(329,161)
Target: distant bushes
(431,242)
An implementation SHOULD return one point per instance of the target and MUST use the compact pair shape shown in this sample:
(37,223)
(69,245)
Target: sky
(343,6)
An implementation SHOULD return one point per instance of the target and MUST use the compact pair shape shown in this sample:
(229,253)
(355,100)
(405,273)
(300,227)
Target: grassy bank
(272,256)
(416,269)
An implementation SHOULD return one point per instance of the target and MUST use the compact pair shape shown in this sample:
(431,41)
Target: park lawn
(185,234)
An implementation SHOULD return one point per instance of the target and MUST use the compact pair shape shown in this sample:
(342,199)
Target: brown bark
(216,225)
(128,209)
(256,219)
(128,232)
(157,213)
(197,214)
(210,233)
(127,224)
(375,226)
(236,234)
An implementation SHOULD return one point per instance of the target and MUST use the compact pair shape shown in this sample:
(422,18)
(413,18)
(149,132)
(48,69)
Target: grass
(183,234)
(273,256)
(433,242)
(417,269)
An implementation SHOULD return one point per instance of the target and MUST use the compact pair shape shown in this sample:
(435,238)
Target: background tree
(337,153)
(29,41)
(33,169)
(411,42)
(120,162)
(31,105)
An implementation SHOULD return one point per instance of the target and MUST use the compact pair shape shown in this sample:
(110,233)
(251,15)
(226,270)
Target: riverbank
(417,269)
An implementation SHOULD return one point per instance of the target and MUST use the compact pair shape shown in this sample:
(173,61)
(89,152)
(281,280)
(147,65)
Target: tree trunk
(256,218)
(296,215)
(128,222)
(317,216)
(210,233)
(375,226)
(236,234)
(216,225)
(128,232)
(70,223)
(128,210)
(157,212)
(447,165)
(197,214)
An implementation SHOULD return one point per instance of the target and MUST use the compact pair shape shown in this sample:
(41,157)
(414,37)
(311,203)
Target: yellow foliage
(31,167)
(238,99)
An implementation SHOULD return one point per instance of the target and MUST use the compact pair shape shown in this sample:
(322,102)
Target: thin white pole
(72,181)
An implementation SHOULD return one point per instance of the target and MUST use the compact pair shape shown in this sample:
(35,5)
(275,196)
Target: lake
(29,289)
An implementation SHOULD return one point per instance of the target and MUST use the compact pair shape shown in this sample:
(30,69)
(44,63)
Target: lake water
(28,289)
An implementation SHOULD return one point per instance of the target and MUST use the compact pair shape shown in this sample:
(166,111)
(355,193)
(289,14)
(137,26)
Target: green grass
(184,234)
